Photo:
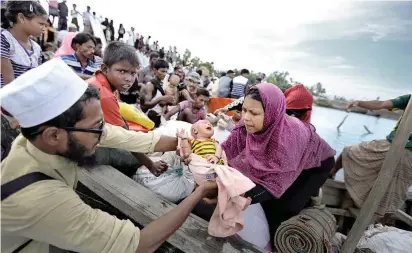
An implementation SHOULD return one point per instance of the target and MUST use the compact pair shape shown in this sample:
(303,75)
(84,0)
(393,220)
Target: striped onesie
(204,148)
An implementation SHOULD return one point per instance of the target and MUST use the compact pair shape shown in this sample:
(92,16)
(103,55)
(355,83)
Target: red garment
(298,98)
(108,99)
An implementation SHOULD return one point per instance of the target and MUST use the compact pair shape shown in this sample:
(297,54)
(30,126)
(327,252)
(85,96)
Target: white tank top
(157,108)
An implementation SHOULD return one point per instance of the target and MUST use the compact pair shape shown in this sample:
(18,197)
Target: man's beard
(75,153)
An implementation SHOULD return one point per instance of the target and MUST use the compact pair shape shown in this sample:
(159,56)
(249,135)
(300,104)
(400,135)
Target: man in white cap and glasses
(62,126)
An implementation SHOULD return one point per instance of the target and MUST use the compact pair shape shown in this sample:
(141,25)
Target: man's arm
(56,215)
(118,137)
(165,144)
(148,102)
(7,71)
(157,232)
(186,95)
(371,105)
(140,76)
(156,168)
(172,112)
(6,67)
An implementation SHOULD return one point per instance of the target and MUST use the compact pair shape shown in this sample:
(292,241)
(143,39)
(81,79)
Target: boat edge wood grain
(144,206)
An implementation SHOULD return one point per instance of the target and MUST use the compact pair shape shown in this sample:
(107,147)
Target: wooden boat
(112,191)
(122,196)
(117,194)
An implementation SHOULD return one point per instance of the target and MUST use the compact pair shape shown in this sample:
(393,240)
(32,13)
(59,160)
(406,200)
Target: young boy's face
(121,75)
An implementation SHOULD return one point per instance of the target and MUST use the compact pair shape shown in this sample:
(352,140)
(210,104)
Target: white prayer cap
(43,93)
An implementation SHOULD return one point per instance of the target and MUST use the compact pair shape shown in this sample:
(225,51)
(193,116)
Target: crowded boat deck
(115,144)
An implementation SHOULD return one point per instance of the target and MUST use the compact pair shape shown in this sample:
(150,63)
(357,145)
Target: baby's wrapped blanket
(226,219)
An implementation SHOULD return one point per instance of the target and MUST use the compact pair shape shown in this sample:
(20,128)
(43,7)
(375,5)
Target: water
(326,121)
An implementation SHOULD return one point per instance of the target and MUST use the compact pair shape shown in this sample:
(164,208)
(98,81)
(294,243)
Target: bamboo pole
(341,123)
(381,184)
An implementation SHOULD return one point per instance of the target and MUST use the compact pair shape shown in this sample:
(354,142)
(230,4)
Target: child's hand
(183,148)
(157,168)
(181,133)
(212,159)
(187,161)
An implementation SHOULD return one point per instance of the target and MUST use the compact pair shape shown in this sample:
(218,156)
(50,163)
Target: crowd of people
(60,112)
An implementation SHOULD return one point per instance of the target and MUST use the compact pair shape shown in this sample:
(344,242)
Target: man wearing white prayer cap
(62,125)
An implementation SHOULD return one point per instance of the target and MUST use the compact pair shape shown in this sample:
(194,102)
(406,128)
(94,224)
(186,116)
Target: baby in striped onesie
(203,143)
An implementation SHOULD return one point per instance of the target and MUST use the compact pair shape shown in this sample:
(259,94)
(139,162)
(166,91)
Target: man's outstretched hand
(209,191)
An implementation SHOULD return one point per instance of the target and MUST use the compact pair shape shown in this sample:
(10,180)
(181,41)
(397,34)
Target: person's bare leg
(337,167)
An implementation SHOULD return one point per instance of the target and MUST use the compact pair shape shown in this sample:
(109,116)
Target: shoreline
(341,105)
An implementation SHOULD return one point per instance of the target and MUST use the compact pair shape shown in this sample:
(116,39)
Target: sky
(359,50)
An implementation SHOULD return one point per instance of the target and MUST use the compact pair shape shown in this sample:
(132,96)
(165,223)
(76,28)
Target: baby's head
(174,80)
(202,130)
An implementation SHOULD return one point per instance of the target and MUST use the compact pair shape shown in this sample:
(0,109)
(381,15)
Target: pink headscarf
(66,47)
(276,156)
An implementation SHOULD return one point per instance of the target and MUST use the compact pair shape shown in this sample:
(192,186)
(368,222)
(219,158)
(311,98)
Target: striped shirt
(98,61)
(22,60)
(239,84)
(204,148)
(75,64)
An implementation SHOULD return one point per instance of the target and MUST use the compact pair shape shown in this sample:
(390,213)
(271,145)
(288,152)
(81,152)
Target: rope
(310,231)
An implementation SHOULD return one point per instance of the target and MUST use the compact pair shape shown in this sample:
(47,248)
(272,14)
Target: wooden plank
(401,215)
(354,211)
(332,196)
(144,206)
(381,184)
(335,184)
(339,212)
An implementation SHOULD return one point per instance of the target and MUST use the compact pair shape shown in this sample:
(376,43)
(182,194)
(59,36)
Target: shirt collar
(102,79)
(89,62)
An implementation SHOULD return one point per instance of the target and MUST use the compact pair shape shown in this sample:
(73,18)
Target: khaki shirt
(50,211)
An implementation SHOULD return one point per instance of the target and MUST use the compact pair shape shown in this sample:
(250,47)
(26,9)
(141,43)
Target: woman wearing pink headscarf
(66,47)
(282,155)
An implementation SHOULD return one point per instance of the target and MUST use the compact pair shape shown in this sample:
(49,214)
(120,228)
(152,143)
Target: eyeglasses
(98,131)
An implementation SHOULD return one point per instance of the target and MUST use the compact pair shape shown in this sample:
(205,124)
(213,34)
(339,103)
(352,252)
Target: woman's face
(253,115)
(35,26)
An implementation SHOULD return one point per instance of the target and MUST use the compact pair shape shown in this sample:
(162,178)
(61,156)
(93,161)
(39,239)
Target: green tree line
(282,79)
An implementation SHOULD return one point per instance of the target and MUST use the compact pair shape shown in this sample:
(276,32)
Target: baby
(171,90)
(203,143)
(208,163)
